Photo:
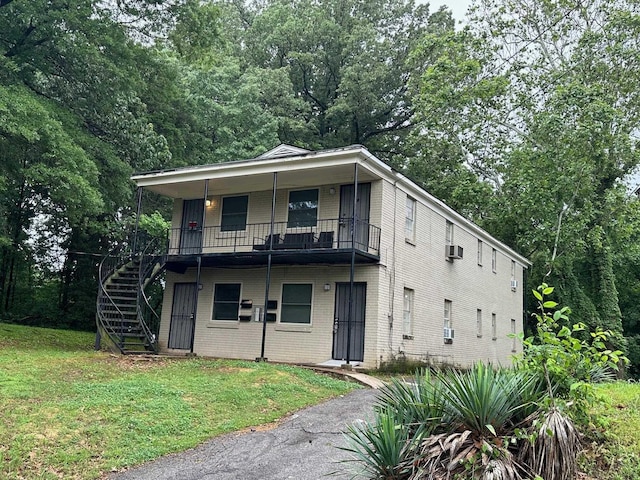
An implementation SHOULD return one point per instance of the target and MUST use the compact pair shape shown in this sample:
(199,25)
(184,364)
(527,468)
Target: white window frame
(317,208)
(513,269)
(513,333)
(407,313)
(246,219)
(479,323)
(411,206)
(494,327)
(494,260)
(479,252)
(448,305)
(449,233)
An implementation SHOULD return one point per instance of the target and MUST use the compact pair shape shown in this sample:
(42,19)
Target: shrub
(488,423)
(567,364)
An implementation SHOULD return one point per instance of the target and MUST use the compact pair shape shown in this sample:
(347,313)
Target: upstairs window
(410,219)
(494,260)
(449,233)
(234,213)
(226,301)
(480,252)
(303,208)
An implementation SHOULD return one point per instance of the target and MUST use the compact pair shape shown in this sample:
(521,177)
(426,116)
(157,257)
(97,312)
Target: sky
(458,7)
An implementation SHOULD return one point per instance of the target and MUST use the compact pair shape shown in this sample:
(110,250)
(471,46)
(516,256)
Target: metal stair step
(122,288)
(125,308)
(123,321)
(125,298)
(124,281)
(137,335)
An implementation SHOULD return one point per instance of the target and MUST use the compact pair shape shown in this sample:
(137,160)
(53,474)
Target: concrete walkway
(301,447)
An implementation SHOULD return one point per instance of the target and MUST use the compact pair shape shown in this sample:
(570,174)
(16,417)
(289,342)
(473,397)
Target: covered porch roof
(295,167)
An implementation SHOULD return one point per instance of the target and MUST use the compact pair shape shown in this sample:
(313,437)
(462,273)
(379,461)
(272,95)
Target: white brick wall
(419,265)
(422,266)
(284,343)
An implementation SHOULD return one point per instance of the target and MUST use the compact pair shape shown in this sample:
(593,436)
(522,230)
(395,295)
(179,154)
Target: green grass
(69,412)
(616,454)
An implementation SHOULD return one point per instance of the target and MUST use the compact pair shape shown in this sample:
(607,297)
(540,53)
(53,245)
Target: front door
(191,229)
(182,316)
(362,216)
(341,322)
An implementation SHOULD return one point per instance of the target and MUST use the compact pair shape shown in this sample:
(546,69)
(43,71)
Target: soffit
(317,168)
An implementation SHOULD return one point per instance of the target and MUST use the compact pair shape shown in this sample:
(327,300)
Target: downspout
(262,358)
(199,268)
(392,280)
(353,259)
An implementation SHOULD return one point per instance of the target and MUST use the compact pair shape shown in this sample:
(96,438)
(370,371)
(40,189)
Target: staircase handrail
(121,254)
(153,253)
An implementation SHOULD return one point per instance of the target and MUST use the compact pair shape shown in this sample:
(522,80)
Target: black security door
(341,322)
(191,231)
(182,316)
(362,216)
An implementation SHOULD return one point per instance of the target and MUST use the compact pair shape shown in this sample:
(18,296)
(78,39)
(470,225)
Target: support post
(262,358)
(199,266)
(98,341)
(353,259)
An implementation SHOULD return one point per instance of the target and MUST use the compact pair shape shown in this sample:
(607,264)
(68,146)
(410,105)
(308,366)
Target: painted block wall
(420,264)
(284,342)
(259,205)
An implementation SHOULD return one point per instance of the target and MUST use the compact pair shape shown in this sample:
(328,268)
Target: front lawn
(69,412)
(616,454)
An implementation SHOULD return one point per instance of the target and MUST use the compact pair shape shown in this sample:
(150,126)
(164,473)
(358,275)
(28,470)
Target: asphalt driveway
(302,447)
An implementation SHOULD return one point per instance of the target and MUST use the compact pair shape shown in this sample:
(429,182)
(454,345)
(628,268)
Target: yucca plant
(380,450)
(416,404)
(489,423)
(487,401)
(482,407)
(554,450)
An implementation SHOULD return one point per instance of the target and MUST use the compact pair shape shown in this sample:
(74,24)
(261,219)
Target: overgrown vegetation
(525,121)
(484,423)
(69,412)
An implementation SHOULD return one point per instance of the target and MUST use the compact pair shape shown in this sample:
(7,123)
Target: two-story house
(329,257)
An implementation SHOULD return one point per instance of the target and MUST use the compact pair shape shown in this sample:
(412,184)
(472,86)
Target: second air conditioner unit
(448,333)
(454,251)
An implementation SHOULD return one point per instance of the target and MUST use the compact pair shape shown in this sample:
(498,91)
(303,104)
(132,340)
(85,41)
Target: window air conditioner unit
(514,285)
(454,251)
(448,333)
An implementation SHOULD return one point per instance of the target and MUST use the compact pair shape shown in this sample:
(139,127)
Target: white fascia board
(325,158)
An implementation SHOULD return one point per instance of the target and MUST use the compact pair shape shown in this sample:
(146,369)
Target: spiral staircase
(124,315)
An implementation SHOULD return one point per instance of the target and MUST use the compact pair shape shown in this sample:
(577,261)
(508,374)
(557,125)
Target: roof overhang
(325,167)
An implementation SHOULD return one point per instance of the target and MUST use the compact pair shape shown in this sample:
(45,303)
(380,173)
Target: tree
(73,127)
(540,101)
(348,61)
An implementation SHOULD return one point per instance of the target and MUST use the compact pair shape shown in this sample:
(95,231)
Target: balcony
(329,241)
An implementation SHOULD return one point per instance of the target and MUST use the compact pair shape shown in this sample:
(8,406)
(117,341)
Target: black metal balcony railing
(325,235)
